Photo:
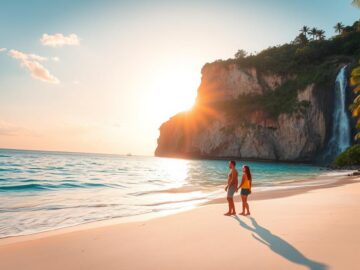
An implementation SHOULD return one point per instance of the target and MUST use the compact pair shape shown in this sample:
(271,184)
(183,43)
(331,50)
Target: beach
(126,128)
(314,229)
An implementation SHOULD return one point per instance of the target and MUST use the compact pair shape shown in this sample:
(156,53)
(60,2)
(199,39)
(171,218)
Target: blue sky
(136,63)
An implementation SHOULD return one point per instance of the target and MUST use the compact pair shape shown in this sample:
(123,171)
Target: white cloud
(2,49)
(59,40)
(30,61)
(37,57)
(39,72)
(18,55)
(55,59)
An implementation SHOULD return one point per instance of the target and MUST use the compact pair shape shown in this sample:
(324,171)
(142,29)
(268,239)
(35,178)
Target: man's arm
(227,186)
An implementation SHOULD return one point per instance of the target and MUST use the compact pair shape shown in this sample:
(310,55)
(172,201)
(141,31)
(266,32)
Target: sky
(101,76)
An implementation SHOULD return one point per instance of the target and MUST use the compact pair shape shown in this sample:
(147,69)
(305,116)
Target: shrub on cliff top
(294,57)
(350,157)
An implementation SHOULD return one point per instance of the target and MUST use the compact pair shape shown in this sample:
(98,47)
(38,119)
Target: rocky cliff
(240,113)
(275,105)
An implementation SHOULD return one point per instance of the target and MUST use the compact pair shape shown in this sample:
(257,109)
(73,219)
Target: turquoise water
(42,191)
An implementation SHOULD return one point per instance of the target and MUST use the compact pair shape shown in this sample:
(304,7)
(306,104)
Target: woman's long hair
(247,172)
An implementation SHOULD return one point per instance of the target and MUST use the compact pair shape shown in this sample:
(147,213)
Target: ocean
(41,190)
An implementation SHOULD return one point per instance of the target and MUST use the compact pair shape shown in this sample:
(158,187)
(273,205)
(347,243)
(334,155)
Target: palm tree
(320,34)
(301,39)
(304,30)
(339,27)
(313,32)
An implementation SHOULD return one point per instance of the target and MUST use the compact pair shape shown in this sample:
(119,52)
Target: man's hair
(233,162)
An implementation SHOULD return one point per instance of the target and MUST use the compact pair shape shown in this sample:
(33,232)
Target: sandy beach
(126,128)
(316,229)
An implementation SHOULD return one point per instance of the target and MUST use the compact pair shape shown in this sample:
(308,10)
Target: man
(231,187)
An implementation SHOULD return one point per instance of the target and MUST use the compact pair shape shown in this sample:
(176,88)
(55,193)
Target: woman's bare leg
(247,206)
(243,205)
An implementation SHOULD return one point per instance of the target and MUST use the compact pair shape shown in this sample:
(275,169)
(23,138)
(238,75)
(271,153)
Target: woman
(245,186)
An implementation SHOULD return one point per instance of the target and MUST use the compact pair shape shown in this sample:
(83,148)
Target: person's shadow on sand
(280,246)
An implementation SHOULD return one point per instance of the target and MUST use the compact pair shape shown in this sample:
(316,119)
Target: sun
(174,90)
(178,89)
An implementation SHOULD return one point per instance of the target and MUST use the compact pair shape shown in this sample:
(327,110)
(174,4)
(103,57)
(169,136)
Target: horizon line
(74,152)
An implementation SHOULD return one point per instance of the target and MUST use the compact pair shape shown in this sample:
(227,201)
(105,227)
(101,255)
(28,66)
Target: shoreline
(311,230)
(237,158)
(291,188)
(295,187)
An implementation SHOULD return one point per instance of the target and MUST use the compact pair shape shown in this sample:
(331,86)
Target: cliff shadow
(280,246)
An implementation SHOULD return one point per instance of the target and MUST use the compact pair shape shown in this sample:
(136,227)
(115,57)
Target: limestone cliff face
(222,83)
(208,132)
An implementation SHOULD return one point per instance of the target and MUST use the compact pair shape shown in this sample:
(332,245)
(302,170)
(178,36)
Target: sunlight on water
(177,170)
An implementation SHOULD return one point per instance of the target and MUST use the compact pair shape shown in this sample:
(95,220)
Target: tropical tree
(301,39)
(320,34)
(355,106)
(357,26)
(339,27)
(304,30)
(240,54)
(313,32)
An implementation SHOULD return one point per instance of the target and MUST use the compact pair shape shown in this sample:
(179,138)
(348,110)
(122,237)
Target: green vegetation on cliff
(350,157)
(282,100)
(307,60)
(297,57)
(355,106)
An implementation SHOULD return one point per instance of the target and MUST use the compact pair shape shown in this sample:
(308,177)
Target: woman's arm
(242,182)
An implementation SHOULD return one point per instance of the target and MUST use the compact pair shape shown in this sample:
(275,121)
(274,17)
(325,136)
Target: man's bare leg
(232,212)
(229,203)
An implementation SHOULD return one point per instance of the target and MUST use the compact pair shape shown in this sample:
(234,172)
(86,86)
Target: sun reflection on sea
(177,170)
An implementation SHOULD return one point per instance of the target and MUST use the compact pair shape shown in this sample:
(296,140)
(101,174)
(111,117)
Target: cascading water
(340,134)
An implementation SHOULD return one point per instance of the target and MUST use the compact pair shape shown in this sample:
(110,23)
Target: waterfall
(340,134)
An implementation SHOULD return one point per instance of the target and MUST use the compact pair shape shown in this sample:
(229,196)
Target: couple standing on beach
(232,187)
